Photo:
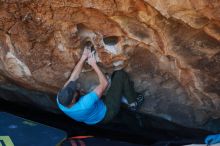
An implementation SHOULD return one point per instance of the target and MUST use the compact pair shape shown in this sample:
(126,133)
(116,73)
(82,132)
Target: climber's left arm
(103,83)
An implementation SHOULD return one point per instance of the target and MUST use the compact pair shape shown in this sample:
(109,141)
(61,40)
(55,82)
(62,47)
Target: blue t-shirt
(89,109)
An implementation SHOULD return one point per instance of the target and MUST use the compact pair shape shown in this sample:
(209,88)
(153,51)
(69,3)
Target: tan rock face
(171,49)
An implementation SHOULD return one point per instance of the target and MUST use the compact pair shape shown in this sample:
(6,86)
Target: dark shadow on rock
(154,129)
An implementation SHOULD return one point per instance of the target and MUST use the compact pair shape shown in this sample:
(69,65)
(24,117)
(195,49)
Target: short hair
(65,95)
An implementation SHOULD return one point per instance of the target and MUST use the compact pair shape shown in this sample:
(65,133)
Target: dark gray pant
(120,86)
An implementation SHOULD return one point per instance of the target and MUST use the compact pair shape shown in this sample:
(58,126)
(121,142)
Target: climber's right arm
(78,68)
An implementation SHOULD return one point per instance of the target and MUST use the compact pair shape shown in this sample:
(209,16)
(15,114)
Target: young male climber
(93,107)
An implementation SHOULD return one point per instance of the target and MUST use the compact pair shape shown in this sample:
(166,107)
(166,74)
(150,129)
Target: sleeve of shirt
(89,99)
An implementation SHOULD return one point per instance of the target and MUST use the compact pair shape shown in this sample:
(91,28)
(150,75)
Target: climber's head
(68,95)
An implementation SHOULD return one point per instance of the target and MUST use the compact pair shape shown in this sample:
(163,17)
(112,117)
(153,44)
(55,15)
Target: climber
(93,107)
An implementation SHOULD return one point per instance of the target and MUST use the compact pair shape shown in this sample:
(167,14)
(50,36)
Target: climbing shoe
(135,105)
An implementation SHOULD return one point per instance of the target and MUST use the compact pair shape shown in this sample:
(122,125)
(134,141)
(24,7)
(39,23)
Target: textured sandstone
(171,50)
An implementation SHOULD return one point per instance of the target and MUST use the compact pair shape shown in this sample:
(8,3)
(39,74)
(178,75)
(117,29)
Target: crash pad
(17,131)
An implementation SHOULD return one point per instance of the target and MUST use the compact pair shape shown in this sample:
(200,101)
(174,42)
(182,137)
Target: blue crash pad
(16,131)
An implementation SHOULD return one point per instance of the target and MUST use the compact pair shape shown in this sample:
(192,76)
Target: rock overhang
(171,50)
